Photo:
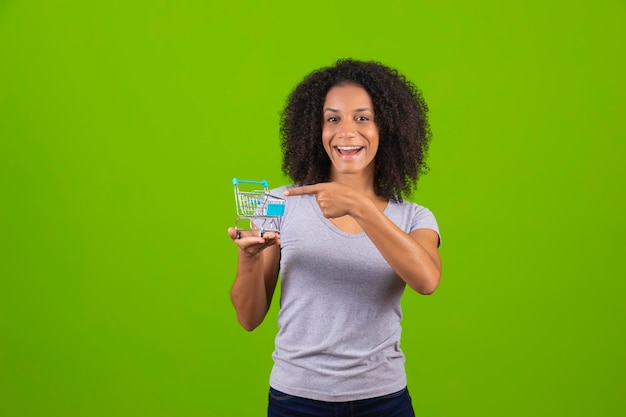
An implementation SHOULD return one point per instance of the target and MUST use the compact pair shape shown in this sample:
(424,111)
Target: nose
(347,129)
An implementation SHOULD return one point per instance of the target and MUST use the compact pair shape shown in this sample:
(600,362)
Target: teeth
(349,148)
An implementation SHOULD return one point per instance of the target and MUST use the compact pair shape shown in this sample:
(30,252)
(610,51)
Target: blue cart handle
(237,181)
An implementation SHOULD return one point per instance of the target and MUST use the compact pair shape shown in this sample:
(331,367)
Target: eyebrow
(361,109)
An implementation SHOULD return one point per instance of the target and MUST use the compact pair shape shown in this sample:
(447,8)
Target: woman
(354,138)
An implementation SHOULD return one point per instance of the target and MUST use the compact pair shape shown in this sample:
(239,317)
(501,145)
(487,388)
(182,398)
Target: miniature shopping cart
(257,209)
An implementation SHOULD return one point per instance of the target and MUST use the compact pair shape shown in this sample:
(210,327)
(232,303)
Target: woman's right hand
(251,244)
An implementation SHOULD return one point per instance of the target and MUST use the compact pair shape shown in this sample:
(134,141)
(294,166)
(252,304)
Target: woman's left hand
(335,200)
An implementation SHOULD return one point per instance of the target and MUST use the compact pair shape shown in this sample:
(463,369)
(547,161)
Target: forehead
(348,94)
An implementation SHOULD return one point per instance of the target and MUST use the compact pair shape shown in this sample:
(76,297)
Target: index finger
(305,189)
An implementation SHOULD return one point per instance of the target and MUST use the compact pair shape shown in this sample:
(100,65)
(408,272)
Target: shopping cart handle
(237,181)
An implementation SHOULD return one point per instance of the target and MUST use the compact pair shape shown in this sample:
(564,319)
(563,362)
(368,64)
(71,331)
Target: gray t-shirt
(339,319)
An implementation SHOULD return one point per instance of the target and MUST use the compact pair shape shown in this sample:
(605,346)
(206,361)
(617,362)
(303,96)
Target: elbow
(248,325)
(430,285)
(245,315)
(427,290)
(248,322)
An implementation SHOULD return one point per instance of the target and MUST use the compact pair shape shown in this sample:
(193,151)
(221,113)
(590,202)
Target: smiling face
(349,132)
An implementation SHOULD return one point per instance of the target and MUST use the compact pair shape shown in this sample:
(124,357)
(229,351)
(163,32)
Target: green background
(123,123)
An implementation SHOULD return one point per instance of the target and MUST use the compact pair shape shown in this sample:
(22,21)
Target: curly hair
(400,115)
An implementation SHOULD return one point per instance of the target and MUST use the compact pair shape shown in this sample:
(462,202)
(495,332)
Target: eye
(362,118)
(332,119)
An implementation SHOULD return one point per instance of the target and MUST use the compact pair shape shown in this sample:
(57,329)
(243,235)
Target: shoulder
(411,208)
(410,216)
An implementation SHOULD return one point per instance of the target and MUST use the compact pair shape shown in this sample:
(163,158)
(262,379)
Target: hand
(251,244)
(335,200)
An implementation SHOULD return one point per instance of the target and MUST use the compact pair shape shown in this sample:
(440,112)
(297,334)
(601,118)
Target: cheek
(373,137)
(326,137)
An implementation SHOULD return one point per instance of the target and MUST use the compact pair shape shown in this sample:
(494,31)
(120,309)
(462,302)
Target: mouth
(348,150)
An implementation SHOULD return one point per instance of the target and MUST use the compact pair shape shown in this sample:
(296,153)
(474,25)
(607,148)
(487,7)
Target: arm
(257,274)
(414,256)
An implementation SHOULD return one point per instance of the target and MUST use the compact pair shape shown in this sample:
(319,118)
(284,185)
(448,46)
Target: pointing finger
(305,189)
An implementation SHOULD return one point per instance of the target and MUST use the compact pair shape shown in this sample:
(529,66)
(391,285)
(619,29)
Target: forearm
(248,293)
(409,258)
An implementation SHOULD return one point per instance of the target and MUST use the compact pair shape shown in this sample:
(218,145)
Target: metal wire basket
(257,206)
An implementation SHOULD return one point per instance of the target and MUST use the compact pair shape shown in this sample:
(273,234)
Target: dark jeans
(393,405)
